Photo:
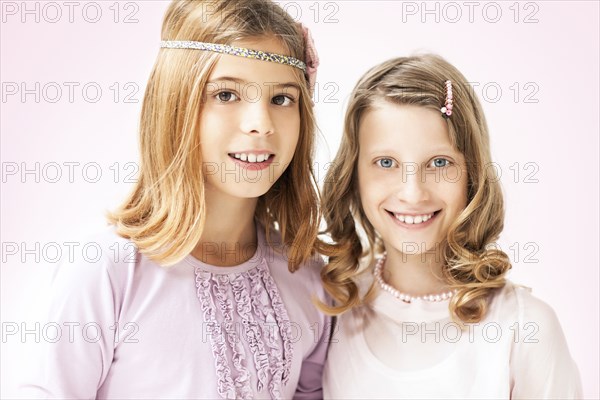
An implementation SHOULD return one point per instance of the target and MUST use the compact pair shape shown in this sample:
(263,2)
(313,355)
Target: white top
(131,329)
(395,350)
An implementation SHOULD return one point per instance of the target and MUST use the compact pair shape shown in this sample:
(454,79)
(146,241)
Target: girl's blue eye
(440,162)
(282,100)
(385,163)
(226,97)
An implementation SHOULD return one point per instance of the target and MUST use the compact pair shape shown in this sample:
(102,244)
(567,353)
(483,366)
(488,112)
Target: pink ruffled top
(189,331)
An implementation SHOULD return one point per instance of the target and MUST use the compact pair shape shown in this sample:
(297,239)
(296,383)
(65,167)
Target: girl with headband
(208,270)
(425,308)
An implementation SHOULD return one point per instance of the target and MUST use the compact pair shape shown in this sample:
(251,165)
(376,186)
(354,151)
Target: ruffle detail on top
(249,329)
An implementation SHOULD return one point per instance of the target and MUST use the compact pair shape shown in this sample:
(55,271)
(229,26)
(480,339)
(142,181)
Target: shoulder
(104,247)
(92,281)
(307,276)
(518,303)
(113,244)
(304,284)
(277,254)
(541,364)
(103,257)
(516,307)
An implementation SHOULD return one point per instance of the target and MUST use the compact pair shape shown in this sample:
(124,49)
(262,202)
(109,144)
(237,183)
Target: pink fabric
(312,58)
(190,331)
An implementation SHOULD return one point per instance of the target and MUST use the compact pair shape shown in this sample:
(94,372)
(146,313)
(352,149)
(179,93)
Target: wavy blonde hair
(164,214)
(471,266)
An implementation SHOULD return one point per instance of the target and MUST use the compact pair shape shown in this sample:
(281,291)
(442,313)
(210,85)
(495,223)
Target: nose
(256,119)
(412,189)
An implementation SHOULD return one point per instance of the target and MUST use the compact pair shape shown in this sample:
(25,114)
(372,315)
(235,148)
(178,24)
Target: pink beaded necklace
(378,273)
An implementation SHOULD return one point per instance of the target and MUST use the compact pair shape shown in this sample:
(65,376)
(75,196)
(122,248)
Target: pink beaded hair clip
(447,109)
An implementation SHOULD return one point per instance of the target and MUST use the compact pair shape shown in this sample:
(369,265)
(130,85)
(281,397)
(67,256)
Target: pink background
(552,60)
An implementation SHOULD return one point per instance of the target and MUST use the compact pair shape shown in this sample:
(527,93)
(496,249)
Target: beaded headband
(447,109)
(234,51)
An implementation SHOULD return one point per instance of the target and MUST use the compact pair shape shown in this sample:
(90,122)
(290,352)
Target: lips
(252,157)
(413,219)
(252,160)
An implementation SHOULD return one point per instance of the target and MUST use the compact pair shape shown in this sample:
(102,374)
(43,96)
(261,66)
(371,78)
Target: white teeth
(251,157)
(413,219)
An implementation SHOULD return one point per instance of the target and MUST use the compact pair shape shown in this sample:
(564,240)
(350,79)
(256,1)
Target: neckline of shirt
(257,258)
(416,311)
(384,369)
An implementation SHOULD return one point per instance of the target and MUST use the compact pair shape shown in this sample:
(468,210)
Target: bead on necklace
(378,273)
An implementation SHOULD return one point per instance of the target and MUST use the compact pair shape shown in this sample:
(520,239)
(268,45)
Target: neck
(416,275)
(229,234)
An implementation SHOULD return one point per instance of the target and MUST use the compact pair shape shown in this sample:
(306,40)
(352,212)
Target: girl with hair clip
(425,309)
(206,278)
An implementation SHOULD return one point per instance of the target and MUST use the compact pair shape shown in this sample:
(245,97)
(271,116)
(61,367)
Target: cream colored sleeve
(541,365)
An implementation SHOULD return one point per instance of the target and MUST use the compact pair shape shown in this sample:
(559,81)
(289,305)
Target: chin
(252,192)
(414,246)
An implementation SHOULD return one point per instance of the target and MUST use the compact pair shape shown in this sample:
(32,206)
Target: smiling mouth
(252,157)
(413,219)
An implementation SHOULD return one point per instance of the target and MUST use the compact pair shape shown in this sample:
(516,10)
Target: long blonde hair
(165,213)
(471,266)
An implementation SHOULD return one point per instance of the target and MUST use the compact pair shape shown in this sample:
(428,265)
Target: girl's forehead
(404,131)
(254,70)
(407,124)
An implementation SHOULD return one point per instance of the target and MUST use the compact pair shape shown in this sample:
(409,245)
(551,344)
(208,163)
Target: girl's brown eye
(225,96)
(281,100)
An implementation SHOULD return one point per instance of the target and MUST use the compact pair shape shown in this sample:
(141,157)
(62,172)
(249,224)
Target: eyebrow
(445,149)
(244,82)
(437,150)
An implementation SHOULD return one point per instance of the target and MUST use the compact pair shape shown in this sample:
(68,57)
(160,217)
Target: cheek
(288,144)
(455,194)
(285,118)
(211,124)
(367,190)
(376,182)
(362,179)
(463,190)
(289,131)
(219,115)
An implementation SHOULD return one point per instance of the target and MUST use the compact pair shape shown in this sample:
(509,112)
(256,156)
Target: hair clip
(447,109)
(311,56)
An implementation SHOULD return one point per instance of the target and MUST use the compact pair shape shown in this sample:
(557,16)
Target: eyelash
(448,162)
(378,162)
(216,96)
(395,164)
(291,99)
